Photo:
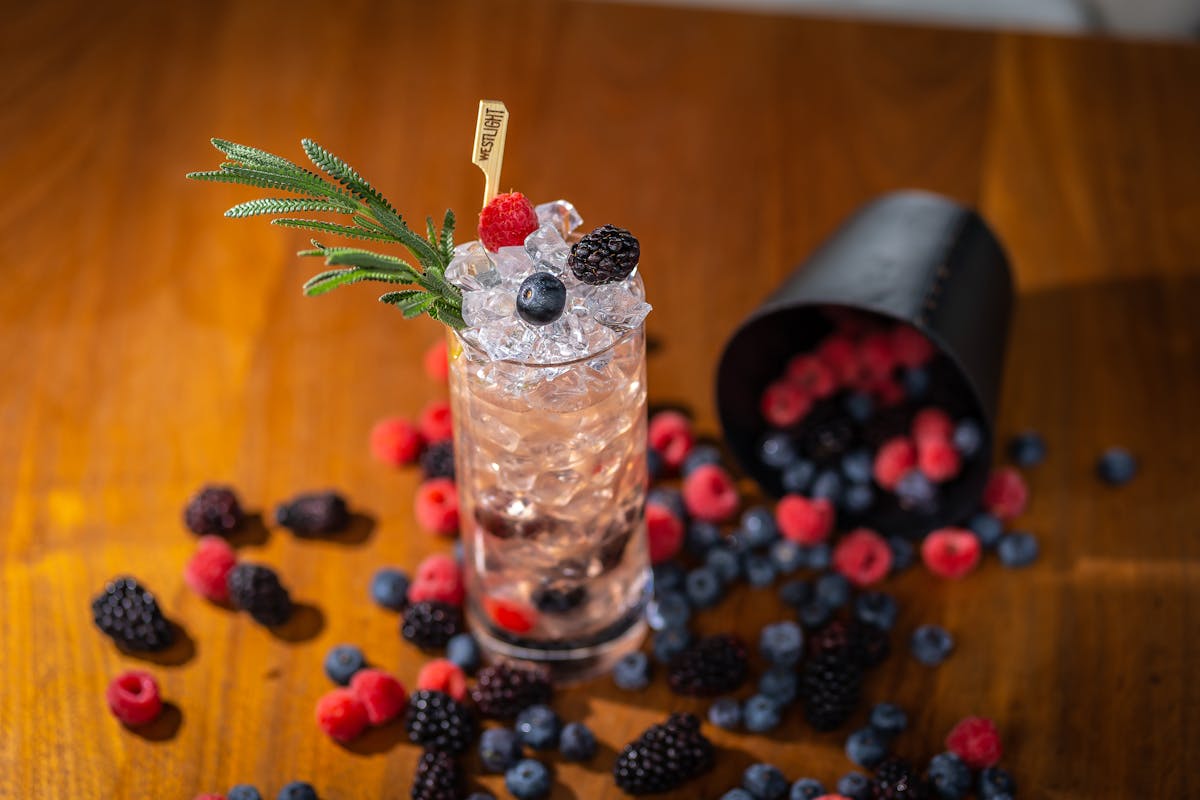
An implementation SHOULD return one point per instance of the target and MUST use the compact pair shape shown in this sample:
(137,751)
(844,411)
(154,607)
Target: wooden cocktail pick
(488,154)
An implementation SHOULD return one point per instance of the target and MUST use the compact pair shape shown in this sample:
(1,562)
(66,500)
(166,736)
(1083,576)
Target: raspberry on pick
(506,221)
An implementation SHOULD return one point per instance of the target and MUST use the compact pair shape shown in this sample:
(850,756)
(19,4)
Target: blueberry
(1117,466)
(577,742)
(781,643)
(528,779)
(670,643)
(704,588)
(342,662)
(297,790)
(797,476)
(858,466)
(724,563)
(764,781)
(915,381)
(931,644)
(1027,449)
(859,406)
(786,556)
(819,556)
(668,610)
(632,672)
(987,528)
(949,776)
(759,524)
(737,794)
(781,684)
(877,608)
(866,747)
(700,455)
(479,796)
(668,576)
(726,712)
(806,789)
(760,570)
(655,466)
(795,593)
(968,438)
(888,719)
(463,650)
(833,590)
(671,499)
(499,749)
(541,298)
(904,555)
(760,714)
(701,537)
(777,450)
(389,588)
(855,786)
(827,485)
(458,551)
(814,614)
(243,791)
(1017,549)
(538,726)
(995,782)
(916,492)
(858,498)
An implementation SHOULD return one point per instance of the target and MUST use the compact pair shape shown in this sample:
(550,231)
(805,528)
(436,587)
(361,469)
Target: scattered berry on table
(795,594)
(949,777)
(133,698)
(724,563)
(777,450)
(764,781)
(786,556)
(806,789)
(737,793)
(499,749)
(967,437)
(951,552)
(389,588)
(866,748)
(995,782)
(538,727)
(576,742)
(987,528)
(528,779)
(129,613)
(443,675)
(781,643)
(671,499)
(668,610)
(655,466)
(827,486)
(669,576)
(430,624)
(664,533)
(931,645)
(297,790)
(437,721)
(710,494)
(213,510)
(436,506)
(893,460)
(863,556)
(700,455)
(437,361)
(256,589)
(712,666)
(208,569)
(976,741)
(438,577)
(382,695)
(759,524)
(511,615)
(341,715)
(781,684)
(876,608)
(632,672)
(1116,466)
(342,661)
(606,255)
(895,779)
(670,434)
(804,521)
(858,498)
(726,712)
(760,570)
(1027,449)
(437,777)
(854,786)
(541,298)
(243,791)
(1005,494)
(833,590)
(1017,549)
(435,422)
(701,537)
(830,689)
(761,713)
(506,221)
(888,719)
(904,555)
(664,757)
(798,476)
(463,650)
(314,514)
(504,689)
(481,796)
(437,460)
(395,441)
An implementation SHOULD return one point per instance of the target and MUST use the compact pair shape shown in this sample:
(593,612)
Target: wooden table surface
(147,345)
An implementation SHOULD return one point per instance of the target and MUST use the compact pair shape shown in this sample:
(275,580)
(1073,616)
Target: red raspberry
(510,615)
(506,221)
(863,557)
(976,741)
(437,578)
(396,441)
(887,392)
(209,797)
(341,714)
(875,355)
(911,347)
(840,355)
(893,460)
(812,375)
(784,404)
(437,506)
(932,423)
(133,697)
(443,675)
(664,533)
(1006,494)
(951,552)
(804,521)
(710,494)
(938,459)
(670,433)
(383,697)
(208,568)
(435,422)
(437,361)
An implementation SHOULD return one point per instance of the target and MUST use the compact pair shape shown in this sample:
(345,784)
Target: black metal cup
(909,256)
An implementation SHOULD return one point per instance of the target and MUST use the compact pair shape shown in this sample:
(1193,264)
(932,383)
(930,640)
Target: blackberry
(606,255)
(128,612)
(867,645)
(213,509)
(873,644)
(827,433)
(256,589)
(830,688)
(437,777)
(437,721)
(505,689)
(712,666)
(314,514)
(664,757)
(437,460)
(429,624)
(895,779)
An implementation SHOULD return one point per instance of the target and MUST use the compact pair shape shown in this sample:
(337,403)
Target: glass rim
(458,334)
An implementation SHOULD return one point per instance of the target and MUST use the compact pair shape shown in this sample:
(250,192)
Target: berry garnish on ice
(133,698)
(314,514)
(208,569)
(541,298)
(129,613)
(506,221)
(606,255)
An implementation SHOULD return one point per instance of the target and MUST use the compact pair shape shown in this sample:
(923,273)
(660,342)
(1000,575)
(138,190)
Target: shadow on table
(359,531)
(306,623)
(253,531)
(379,740)
(162,729)
(181,651)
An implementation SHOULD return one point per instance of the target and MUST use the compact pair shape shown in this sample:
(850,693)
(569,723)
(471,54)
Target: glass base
(568,661)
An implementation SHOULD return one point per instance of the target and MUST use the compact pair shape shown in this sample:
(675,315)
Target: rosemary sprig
(372,218)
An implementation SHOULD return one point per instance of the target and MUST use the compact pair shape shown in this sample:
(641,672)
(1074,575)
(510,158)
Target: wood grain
(148,345)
